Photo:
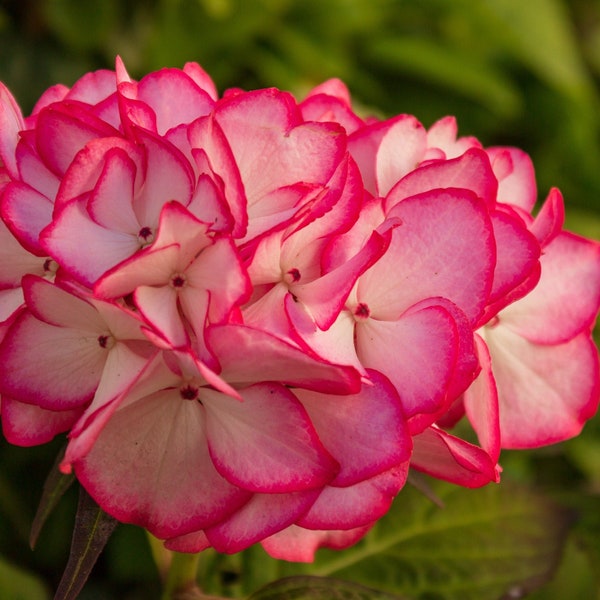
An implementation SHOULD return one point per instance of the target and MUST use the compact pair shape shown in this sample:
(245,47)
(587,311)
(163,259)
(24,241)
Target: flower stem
(181,578)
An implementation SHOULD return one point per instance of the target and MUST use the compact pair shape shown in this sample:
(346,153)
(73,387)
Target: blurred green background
(516,72)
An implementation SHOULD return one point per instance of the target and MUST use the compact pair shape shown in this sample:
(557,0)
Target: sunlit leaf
(482,545)
(93,528)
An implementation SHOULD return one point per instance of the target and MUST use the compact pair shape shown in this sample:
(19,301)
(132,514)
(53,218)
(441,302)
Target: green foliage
(17,584)
(499,541)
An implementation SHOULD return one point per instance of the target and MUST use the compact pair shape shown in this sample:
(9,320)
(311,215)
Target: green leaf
(55,486)
(482,545)
(318,588)
(93,528)
(17,584)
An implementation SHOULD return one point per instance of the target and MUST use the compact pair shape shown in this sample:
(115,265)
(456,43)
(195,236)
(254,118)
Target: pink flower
(251,316)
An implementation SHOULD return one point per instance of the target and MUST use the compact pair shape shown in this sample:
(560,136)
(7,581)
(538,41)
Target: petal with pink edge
(417,353)
(356,505)
(471,171)
(362,451)
(546,392)
(447,457)
(29,425)
(266,443)
(567,297)
(247,354)
(516,177)
(300,545)
(150,466)
(11,123)
(262,516)
(444,247)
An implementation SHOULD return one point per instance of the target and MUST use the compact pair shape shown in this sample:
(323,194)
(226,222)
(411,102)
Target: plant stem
(181,579)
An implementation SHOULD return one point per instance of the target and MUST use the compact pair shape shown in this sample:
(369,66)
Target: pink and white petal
(94,87)
(297,544)
(26,212)
(219,269)
(335,345)
(271,146)
(149,267)
(209,205)
(201,78)
(550,219)
(470,171)
(444,247)
(159,306)
(206,134)
(168,176)
(401,149)
(363,145)
(158,89)
(262,516)
(357,505)
(517,255)
(109,204)
(325,297)
(567,297)
(449,458)
(248,354)
(29,425)
(340,422)
(63,129)
(481,404)
(54,367)
(10,300)
(72,230)
(325,107)
(442,134)
(87,166)
(516,177)
(34,172)
(417,353)
(16,261)
(546,392)
(191,543)
(11,123)
(150,466)
(58,306)
(266,443)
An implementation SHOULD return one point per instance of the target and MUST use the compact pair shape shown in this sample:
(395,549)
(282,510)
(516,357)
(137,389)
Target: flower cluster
(253,315)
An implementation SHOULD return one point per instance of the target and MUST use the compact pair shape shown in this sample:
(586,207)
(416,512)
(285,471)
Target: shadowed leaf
(55,486)
(93,528)
(319,588)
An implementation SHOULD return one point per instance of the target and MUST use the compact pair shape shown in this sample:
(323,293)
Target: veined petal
(262,516)
(11,123)
(26,212)
(516,177)
(481,404)
(247,354)
(567,297)
(299,545)
(447,457)
(471,171)
(432,254)
(546,392)
(72,230)
(29,425)
(176,489)
(159,307)
(341,423)
(357,505)
(56,368)
(265,443)
(417,353)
